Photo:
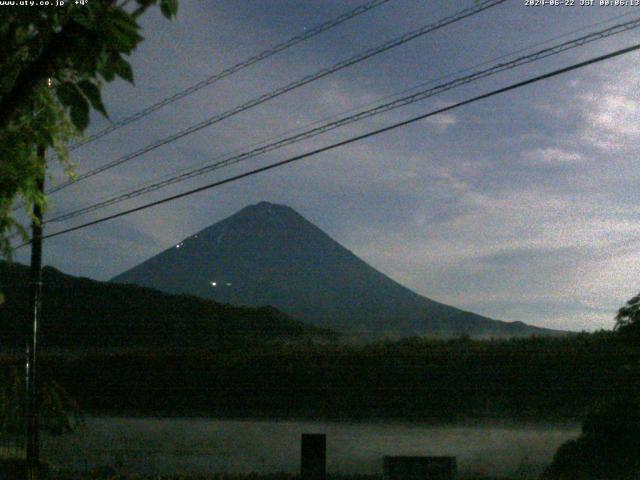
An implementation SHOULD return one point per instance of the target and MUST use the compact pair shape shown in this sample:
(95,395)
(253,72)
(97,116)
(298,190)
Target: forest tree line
(440,380)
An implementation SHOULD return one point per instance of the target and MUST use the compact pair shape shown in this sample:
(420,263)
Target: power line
(401,102)
(234,69)
(349,141)
(225,73)
(467,12)
(282,135)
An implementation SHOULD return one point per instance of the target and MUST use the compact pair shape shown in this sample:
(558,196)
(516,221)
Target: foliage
(59,413)
(628,321)
(54,63)
(608,446)
(427,380)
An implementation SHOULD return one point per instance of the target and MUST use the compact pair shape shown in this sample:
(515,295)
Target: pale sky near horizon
(521,207)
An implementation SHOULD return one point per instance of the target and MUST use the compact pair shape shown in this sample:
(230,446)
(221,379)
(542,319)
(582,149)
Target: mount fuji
(269,254)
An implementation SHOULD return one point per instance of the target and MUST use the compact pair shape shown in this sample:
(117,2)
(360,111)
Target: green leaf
(92,92)
(80,115)
(169,8)
(68,94)
(122,31)
(82,17)
(122,68)
(105,67)
(71,96)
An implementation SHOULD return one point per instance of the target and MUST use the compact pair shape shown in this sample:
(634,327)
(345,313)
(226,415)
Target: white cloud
(551,249)
(611,115)
(443,120)
(553,155)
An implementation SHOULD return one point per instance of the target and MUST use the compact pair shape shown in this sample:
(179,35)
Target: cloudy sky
(521,207)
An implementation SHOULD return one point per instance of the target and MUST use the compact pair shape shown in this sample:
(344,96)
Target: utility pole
(31,410)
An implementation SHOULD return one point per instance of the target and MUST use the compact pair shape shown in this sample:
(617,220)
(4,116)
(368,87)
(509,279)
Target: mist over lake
(200,445)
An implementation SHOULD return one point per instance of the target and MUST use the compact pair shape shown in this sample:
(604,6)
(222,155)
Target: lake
(201,445)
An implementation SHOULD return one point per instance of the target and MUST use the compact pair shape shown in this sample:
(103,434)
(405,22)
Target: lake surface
(201,445)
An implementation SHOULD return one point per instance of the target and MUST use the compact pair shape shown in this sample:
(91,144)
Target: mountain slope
(269,254)
(83,313)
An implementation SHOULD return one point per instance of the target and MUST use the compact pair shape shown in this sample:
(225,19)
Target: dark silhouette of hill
(269,254)
(83,313)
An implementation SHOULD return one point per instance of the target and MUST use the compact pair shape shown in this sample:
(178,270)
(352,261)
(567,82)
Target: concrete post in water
(313,456)
(419,468)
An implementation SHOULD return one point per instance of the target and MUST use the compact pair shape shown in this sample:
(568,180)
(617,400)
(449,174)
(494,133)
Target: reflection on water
(196,445)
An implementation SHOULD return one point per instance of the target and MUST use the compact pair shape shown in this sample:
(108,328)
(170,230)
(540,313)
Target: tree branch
(51,57)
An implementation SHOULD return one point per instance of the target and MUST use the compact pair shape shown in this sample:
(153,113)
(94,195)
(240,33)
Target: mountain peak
(265,209)
(267,206)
